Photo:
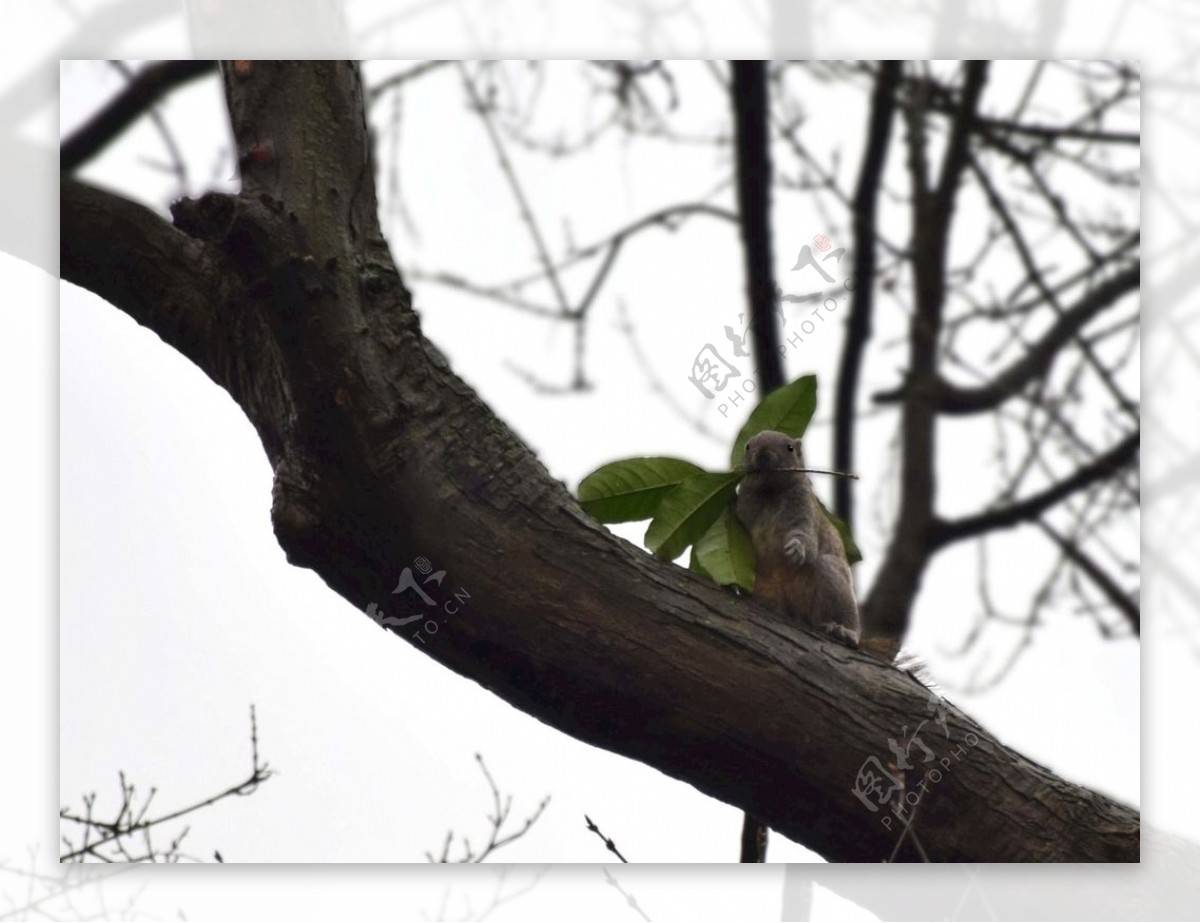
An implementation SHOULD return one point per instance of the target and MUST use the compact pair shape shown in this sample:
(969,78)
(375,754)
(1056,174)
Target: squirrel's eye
(791,448)
(747,447)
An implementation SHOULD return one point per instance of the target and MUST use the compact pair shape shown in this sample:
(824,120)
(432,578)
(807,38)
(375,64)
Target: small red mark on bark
(243,68)
(260,153)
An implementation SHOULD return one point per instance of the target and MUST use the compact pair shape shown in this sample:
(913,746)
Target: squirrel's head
(772,451)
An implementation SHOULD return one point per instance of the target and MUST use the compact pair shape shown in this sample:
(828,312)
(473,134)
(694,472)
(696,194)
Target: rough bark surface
(287,296)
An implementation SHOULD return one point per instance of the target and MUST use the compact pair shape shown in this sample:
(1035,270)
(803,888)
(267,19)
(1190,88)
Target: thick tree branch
(150,85)
(158,275)
(1104,466)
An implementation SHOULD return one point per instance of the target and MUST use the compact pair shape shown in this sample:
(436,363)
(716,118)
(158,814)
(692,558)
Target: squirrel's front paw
(796,548)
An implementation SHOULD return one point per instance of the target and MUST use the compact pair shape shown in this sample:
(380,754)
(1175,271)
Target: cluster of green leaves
(688,506)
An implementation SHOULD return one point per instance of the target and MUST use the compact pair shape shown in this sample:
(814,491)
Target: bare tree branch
(1038,357)
(131,819)
(1105,466)
(501,808)
(608,842)
(858,327)
(1036,277)
(750,110)
(886,609)
(1121,600)
(145,89)
(388,84)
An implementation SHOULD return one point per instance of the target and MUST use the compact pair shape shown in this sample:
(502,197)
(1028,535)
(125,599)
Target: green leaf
(633,488)
(725,553)
(787,410)
(853,555)
(688,511)
(696,567)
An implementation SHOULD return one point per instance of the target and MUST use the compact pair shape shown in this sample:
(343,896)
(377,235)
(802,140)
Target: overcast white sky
(178,610)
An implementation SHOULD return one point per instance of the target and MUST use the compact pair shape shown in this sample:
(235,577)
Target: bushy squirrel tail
(916,667)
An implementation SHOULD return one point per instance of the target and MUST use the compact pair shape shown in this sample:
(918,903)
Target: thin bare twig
(501,809)
(608,843)
(131,818)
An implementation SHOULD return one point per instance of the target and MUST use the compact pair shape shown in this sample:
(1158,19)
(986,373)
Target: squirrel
(801,569)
